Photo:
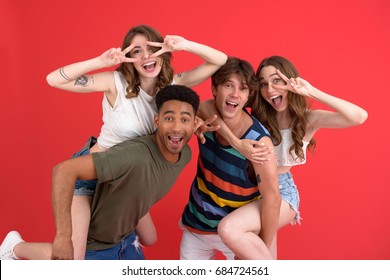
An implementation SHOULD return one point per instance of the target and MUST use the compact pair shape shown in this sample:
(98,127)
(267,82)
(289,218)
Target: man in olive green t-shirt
(132,176)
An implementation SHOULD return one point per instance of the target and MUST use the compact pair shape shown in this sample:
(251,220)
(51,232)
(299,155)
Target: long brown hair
(131,75)
(298,108)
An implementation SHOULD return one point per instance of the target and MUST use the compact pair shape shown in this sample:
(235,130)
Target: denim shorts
(128,249)
(85,187)
(289,193)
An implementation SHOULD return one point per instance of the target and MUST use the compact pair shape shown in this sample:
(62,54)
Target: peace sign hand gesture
(296,85)
(171,43)
(116,56)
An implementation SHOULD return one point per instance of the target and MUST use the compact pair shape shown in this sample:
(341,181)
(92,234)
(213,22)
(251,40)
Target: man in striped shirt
(225,179)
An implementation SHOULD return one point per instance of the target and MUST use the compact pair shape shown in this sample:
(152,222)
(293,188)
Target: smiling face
(146,66)
(276,97)
(175,125)
(231,96)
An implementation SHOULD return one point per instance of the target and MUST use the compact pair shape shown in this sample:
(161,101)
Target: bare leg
(33,250)
(146,230)
(287,215)
(240,231)
(81,216)
(274,248)
(81,212)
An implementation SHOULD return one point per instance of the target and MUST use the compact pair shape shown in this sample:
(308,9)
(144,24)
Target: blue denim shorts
(128,249)
(85,187)
(289,193)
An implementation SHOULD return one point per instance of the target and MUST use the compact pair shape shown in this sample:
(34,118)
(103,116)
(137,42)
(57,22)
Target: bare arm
(346,113)
(64,177)
(255,151)
(74,77)
(146,230)
(213,59)
(267,179)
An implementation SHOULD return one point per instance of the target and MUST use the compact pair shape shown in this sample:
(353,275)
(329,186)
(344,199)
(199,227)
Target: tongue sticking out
(277,100)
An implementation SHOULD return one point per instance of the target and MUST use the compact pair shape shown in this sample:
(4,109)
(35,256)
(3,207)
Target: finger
(281,75)
(157,53)
(259,144)
(212,127)
(210,120)
(198,124)
(131,60)
(284,87)
(129,48)
(201,137)
(154,44)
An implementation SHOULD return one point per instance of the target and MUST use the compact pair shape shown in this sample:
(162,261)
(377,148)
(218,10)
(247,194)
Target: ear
(196,124)
(156,121)
(214,91)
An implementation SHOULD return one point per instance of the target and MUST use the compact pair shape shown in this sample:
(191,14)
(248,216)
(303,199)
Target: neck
(149,85)
(237,125)
(284,119)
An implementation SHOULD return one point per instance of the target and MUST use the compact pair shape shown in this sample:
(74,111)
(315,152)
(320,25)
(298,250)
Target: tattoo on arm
(258,178)
(62,73)
(83,81)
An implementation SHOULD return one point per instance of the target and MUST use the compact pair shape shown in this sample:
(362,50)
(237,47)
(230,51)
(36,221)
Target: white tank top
(128,118)
(282,154)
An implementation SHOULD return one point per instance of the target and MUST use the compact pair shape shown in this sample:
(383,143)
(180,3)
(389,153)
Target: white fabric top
(282,154)
(128,118)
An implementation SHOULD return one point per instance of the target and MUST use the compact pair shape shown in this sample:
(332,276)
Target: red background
(342,47)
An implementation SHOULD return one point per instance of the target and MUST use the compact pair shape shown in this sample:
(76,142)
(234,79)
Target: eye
(136,52)
(244,89)
(263,85)
(185,120)
(168,119)
(150,50)
(277,81)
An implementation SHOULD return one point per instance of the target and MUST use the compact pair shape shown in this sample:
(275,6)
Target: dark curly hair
(180,93)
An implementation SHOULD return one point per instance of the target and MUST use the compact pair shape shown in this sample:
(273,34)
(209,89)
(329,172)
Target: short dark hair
(179,93)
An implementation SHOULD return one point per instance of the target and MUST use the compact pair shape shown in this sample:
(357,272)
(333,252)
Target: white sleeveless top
(282,154)
(128,118)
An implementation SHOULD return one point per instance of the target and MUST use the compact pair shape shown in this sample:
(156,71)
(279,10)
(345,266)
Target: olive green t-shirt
(132,176)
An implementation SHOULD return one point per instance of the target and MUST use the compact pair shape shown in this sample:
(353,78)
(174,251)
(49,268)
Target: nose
(235,91)
(176,126)
(146,55)
(270,87)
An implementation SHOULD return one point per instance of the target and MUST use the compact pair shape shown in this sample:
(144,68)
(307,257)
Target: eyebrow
(261,78)
(181,113)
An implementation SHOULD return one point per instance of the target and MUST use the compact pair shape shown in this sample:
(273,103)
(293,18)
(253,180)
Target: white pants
(195,246)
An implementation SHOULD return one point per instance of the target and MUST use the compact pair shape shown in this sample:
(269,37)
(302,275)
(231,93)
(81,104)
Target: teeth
(232,103)
(273,97)
(176,138)
(150,63)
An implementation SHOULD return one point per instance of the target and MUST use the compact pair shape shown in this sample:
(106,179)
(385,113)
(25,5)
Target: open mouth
(149,66)
(231,105)
(276,100)
(175,141)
